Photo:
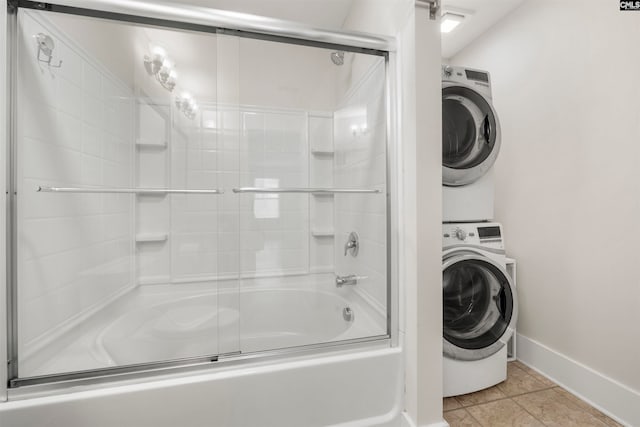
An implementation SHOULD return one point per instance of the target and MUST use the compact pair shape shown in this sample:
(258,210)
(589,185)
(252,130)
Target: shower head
(337,57)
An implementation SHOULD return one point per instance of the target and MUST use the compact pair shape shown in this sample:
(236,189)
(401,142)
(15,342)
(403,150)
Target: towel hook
(45,47)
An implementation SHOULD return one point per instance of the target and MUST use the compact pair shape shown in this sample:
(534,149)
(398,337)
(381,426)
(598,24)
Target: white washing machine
(480,307)
(470,145)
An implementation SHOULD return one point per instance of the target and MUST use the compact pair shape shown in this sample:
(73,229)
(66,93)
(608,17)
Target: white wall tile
(70,98)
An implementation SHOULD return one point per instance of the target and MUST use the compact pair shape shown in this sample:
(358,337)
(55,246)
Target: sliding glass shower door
(189,197)
(312,193)
(118,198)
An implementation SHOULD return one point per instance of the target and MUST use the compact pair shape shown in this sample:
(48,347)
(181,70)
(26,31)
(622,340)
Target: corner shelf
(318,152)
(322,233)
(151,237)
(141,143)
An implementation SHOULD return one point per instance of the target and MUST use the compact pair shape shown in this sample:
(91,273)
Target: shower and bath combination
(152,235)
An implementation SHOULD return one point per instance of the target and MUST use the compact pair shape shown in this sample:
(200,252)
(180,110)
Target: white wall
(566,88)
(420,205)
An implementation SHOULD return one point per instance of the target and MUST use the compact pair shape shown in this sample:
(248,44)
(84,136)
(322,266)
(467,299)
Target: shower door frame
(215,22)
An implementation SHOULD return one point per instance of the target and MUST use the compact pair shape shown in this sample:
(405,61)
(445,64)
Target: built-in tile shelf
(323,194)
(320,152)
(322,233)
(151,237)
(145,143)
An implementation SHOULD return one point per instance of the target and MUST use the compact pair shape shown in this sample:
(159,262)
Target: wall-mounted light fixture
(450,21)
(187,105)
(157,64)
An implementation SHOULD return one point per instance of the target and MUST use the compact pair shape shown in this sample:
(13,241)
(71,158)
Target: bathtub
(357,385)
(247,321)
(154,323)
(355,388)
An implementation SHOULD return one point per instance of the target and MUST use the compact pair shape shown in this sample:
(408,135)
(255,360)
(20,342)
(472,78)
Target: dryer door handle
(502,303)
(486,125)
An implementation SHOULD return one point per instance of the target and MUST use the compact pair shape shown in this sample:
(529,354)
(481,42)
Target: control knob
(461,234)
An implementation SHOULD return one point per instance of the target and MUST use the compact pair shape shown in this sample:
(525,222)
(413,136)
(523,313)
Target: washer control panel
(486,234)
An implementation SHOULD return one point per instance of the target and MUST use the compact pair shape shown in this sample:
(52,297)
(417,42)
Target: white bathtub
(248,321)
(356,386)
(360,388)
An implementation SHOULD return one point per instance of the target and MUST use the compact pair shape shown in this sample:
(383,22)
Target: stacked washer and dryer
(479,298)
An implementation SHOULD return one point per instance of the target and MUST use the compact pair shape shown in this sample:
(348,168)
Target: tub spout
(351,279)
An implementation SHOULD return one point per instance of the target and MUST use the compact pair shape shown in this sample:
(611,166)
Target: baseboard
(408,422)
(616,400)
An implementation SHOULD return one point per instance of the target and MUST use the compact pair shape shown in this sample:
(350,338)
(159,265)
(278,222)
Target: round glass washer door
(470,134)
(479,306)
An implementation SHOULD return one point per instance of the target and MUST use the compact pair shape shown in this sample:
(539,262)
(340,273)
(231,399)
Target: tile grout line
(502,398)
(474,418)
(527,411)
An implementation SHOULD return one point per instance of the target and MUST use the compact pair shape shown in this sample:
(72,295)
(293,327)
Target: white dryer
(480,307)
(470,145)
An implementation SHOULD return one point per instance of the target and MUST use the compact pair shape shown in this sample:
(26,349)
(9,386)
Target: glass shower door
(119,215)
(312,194)
(191,197)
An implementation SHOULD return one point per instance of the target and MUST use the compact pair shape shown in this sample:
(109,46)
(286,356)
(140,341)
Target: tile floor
(526,398)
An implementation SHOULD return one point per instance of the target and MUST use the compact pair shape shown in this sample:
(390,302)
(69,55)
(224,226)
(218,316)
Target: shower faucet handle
(352,245)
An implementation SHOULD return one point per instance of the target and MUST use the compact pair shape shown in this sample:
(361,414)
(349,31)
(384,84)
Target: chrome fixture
(352,245)
(432,5)
(45,47)
(337,57)
(347,314)
(43,189)
(304,190)
(187,105)
(351,279)
(161,67)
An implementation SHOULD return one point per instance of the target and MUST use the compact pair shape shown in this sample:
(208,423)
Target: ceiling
(483,14)
(318,13)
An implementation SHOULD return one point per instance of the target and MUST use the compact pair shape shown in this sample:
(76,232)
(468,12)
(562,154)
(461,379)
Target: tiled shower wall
(74,130)
(232,235)
(360,162)
(274,228)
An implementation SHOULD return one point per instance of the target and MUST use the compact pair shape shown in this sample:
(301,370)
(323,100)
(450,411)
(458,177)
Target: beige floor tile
(588,408)
(503,413)
(460,418)
(450,403)
(482,396)
(519,382)
(554,409)
(544,380)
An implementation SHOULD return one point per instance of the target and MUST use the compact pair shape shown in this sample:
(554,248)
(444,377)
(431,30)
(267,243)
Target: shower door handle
(106,190)
(305,190)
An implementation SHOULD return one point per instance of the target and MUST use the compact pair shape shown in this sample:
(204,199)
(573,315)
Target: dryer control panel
(488,234)
(470,77)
